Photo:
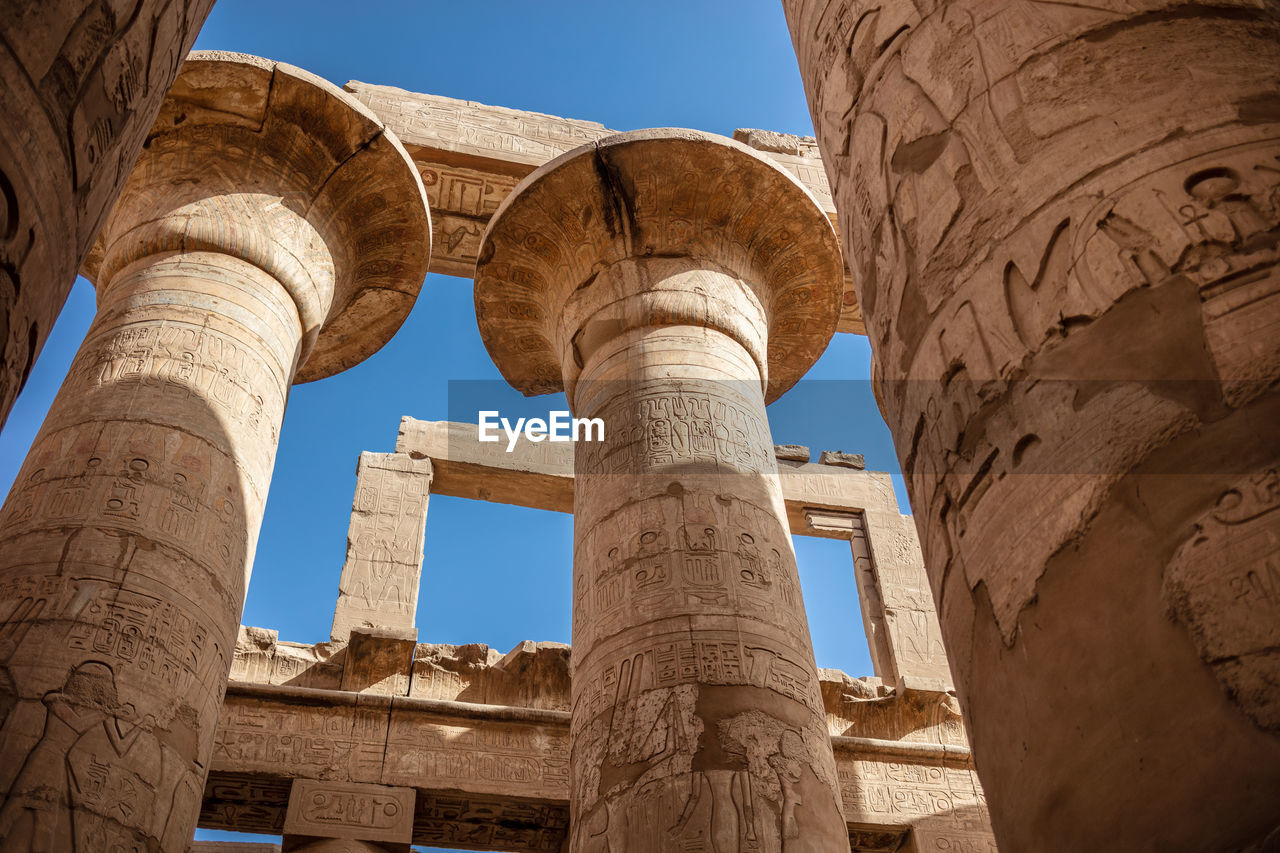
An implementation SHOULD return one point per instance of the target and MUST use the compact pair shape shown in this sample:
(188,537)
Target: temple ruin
(1057,223)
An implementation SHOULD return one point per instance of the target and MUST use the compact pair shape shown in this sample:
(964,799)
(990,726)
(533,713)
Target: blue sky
(493,573)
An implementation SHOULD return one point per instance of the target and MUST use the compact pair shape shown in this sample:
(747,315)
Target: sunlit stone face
(669,309)
(1062,222)
(223,274)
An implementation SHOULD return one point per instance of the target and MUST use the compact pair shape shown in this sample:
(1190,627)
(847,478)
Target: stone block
(350,810)
(855,461)
(379,661)
(791,452)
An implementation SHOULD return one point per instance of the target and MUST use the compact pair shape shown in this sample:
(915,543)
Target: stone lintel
(491,777)
(233,847)
(472,155)
(359,811)
(540,475)
(379,661)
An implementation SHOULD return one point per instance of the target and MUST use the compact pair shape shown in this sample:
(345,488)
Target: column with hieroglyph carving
(1064,222)
(83,81)
(672,282)
(272,233)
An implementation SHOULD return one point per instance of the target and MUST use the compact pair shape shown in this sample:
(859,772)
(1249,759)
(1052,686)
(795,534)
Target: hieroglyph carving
(382,572)
(126,543)
(83,82)
(1234,616)
(1068,221)
(327,809)
(632,273)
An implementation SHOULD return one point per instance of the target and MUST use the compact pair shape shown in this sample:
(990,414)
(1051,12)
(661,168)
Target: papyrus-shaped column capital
(275,166)
(651,228)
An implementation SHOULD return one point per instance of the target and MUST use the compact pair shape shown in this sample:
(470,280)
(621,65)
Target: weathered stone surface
(383,569)
(1066,221)
(261,658)
(531,675)
(791,452)
(234,262)
(82,84)
(839,458)
(379,661)
(472,156)
(772,142)
(323,809)
(903,764)
(673,308)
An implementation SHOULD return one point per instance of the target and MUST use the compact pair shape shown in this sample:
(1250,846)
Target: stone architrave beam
(540,476)
(472,155)
(493,777)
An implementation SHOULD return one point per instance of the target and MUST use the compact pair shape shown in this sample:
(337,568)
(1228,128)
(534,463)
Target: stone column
(1062,224)
(672,282)
(271,233)
(83,80)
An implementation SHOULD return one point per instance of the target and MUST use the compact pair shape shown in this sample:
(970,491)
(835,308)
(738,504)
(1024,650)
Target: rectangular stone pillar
(383,568)
(898,612)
